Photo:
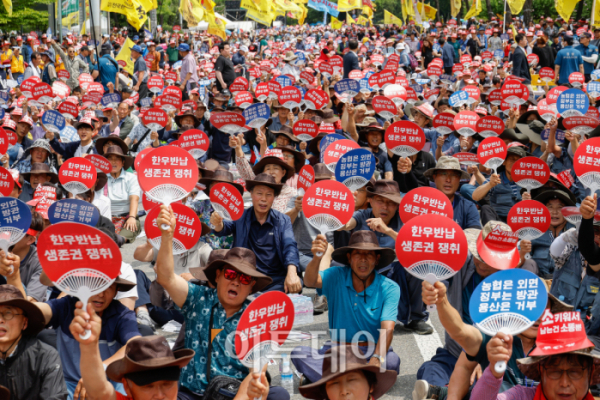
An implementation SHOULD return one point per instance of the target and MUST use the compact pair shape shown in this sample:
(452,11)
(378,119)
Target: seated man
(29,367)
(363,304)
(38,152)
(39,173)
(85,145)
(235,277)
(268,233)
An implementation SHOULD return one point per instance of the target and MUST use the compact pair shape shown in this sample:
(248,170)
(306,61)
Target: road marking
(428,344)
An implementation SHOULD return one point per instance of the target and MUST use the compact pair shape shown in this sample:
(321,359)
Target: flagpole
(504,19)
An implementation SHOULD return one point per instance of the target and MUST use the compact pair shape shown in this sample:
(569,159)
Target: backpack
(413,61)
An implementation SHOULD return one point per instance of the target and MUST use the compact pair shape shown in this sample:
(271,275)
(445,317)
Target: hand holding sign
(404,138)
(355,168)
(306,177)
(586,163)
(333,152)
(195,142)
(227,201)
(188,228)
(491,153)
(529,219)
(530,173)
(77,175)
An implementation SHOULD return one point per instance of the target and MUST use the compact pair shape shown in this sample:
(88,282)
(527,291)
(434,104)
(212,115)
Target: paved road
(413,349)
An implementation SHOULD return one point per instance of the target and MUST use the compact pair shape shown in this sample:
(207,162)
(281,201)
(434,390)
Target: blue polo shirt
(219,149)
(349,314)
(262,243)
(569,59)
(118,326)
(361,217)
(383,161)
(587,52)
(465,213)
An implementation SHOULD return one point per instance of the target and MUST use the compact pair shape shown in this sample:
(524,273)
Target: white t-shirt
(83,150)
(128,274)
(102,203)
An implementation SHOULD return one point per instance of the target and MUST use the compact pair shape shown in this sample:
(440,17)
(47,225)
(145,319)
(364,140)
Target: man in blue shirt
(362,302)
(568,60)
(108,68)
(268,233)
(447,55)
(483,39)
(589,54)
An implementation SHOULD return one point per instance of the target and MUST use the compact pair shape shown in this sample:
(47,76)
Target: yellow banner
(335,23)
(515,5)
(475,9)
(8,6)
(125,55)
(455,7)
(427,11)
(133,9)
(565,8)
(347,5)
(71,19)
(404,10)
(349,19)
(191,11)
(596,17)
(514,31)
(368,11)
(256,6)
(362,21)
(389,18)
(265,18)
(303,14)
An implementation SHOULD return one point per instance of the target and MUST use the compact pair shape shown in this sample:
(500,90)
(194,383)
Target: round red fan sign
(155,119)
(404,138)
(227,201)
(100,162)
(425,200)
(7,182)
(306,177)
(316,99)
(77,175)
(385,106)
(490,126)
(336,150)
(188,228)
(305,129)
(444,123)
(228,122)
(195,142)
(328,205)
(491,152)
(586,163)
(530,173)
(465,123)
(529,219)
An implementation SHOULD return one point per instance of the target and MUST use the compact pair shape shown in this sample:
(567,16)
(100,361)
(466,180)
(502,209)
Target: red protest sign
(487,55)
(432,244)
(155,84)
(328,205)
(431,95)
(530,173)
(11,136)
(411,95)
(274,88)
(306,177)
(155,119)
(514,92)
(236,87)
(262,91)
(68,110)
(63,75)
(394,58)
(316,99)
(546,74)
(337,63)
(473,92)
(425,200)
(242,82)
(268,319)
(305,129)
(490,126)
(188,228)
(533,59)
(495,97)
(552,96)
(96,87)
(332,153)
(290,97)
(586,163)
(42,93)
(356,74)
(168,174)
(491,152)
(398,94)
(546,111)
(326,69)
(307,77)
(148,203)
(3,142)
(27,86)
(169,102)
(173,91)
(381,79)
(255,72)
(171,77)
(93,98)
(404,138)
(577,79)
(69,246)
(465,123)
(376,59)
(228,122)
(100,162)
(444,123)
(85,80)
(529,219)
(176,28)
(195,142)
(243,99)
(7,182)
(434,70)
(77,175)
(466,59)
(466,158)
(580,125)
(560,333)
(401,80)
(384,106)
(499,249)
(227,201)
(458,68)
(566,178)
(592,112)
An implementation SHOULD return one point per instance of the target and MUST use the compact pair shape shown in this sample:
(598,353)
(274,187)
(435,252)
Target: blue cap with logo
(184,47)
(137,48)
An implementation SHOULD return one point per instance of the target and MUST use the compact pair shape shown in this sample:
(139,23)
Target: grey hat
(532,130)
(446,163)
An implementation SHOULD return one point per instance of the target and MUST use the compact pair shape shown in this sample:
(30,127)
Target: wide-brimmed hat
(188,113)
(221,97)
(553,194)
(286,131)
(501,257)
(446,163)
(208,167)
(289,56)
(242,260)
(38,144)
(322,172)
(328,116)
(299,157)
(40,168)
(198,272)
(221,175)
(386,188)
(364,240)
(274,156)
(118,151)
(11,296)
(340,360)
(532,130)
(517,150)
(145,354)
(523,117)
(313,145)
(111,138)
(513,136)
(529,366)
(264,180)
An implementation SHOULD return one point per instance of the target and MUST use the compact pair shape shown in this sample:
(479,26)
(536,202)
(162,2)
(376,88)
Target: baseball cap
(184,47)
(137,48)
(136,37)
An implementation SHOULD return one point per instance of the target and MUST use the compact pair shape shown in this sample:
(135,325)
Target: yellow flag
(349,19)
(8,6)
(514,31)
(368,11)
(455,6)
(303,15)
(516,5)
(389,18)
(475,9)
(427,11)
(347,5)
(335,23)
(125,55)
(565,8)
(134,11)
(404,10)
(596,17)
(362,20)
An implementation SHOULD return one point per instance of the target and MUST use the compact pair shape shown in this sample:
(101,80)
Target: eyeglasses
(575,373)
(8,315)
(231,275)
(288,156)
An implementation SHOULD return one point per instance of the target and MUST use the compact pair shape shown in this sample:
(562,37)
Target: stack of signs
(332,153)
(228,122)
(227,201)
(586,163)
(73,210)
(53,121)
(491,153)
(530,173)
(188,228)
(257,115)
(404,138)
(355,168)
(529,219)
(572,102)
(425,200)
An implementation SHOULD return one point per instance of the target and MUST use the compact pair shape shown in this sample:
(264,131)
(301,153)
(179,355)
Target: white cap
(400,46)
(244,48)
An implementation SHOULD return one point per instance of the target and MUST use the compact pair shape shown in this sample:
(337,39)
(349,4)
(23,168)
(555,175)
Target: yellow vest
(5,55)
(17,66)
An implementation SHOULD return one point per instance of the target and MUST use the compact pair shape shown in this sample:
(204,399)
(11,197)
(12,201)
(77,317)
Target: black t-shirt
(225,65)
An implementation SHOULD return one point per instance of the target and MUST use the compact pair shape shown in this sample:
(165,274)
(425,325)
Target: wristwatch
(380,358)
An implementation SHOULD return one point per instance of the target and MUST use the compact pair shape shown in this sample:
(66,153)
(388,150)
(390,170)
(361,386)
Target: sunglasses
(231,275)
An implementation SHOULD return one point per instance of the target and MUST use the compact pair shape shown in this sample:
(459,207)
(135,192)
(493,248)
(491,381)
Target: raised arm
(312,278)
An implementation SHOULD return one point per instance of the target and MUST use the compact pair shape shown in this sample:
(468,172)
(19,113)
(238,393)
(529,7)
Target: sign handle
(500,366)
(5,243)
(320,254)
(431,278)
(85,300)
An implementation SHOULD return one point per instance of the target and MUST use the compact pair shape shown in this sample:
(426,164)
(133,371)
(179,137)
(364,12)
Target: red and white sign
(356,74)
(169,102)
(444,123)
(495,97)
(27,86)
(465,123)
(425,200)
(255,72)
(431,95)
(168,174)
(227,200)
(560,333)
(77,175)
(305,129)
(384,106)
(85,80)
(580,125)
(552,96)
(228,122)
(171,77)
(243,82)
(307,77)
(499,249)
(530,173)
(96,87)
(243,99)
(173,91)
(380,80)
(155,119)
(89,99)
(269,318)
(546,74)
(7,182)
(100,162)
(138,159)
(274,88)
(195,142)
(546,111)
(11,136)
(404,138)
(306,177)
(434,70)
(434,240)
(490,126)
(68,110)
(328,205)
(290,97)
(42,93)
(376,59)
(466,59)
(3,142)
(474,93)
(69,246)
(514,92)
(592,112)
(487,55)
(262,91)
(398,94)
(316,99)
(176,28)
(458,68)
(188,228)
(566,178)
(529,218)
(337,63)
(577,79)
(533,59)
(466,158)
(63,75)
(333,152)
(148,203)
(236,87)
(411,95)
(402,81)
(491,152)
(326,69)
(155,84)
(586,162)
